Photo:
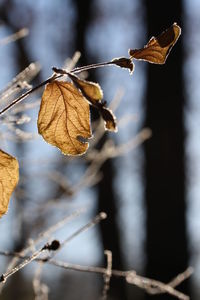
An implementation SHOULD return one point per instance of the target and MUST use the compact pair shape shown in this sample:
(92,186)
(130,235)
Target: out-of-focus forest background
(150,192)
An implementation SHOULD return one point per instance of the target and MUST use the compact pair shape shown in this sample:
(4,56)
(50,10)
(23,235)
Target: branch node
(55,244)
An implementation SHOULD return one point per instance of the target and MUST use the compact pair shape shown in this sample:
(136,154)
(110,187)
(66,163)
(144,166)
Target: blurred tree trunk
(106,198)
(109,228)
(166,243)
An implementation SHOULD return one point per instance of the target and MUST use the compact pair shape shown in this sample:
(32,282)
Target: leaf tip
(109,118)
(124,62)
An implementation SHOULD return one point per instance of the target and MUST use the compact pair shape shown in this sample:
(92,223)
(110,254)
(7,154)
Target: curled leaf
(124,62)
(64,118)
(94,94)
(91,90)
(109,119)
(9,176)
(158,48)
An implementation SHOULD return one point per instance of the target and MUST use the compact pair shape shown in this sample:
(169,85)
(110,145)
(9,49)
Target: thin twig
(147,284)
(6,275)
(174,282)
(107,274)
(26,94)
(101,216)
(51,78)
(40,289)
(70,63)
(45,234)
(92,66)
(15,36)
(131,276)
(59,224)
(94,221)
(17,82)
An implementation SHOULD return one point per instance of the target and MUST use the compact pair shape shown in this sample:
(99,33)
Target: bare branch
(148,284)
(20,81)
(101,216)
(41,290)
(32,243)
(46,247)
(175,282)
(130,276)
(15,36)
(61,72)
(107,274)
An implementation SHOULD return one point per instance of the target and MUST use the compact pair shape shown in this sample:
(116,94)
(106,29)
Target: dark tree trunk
(84,15)
(166,243)
(110,227)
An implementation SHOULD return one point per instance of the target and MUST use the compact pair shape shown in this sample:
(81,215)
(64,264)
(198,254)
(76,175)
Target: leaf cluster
(64,115)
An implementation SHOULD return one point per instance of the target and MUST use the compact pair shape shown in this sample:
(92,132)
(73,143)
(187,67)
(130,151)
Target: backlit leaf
(124,62)
(109,119)
(64,118)
(158,48)
(9,176)
(94,94)
(91,90)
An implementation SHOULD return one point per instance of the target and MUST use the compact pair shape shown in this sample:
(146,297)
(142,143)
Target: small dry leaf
(109,119)
(64,118)
(158,48)
(124,62)
(91,90)
(9,176)
(94,94)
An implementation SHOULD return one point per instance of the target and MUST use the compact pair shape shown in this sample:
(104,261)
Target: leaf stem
(48,80)
(92,66)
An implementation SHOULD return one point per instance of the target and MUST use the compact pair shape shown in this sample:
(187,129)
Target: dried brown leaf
(124,62)
(93,93)
(9,176)
(64,118)
(158,48)
(109,119)
(91,90)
